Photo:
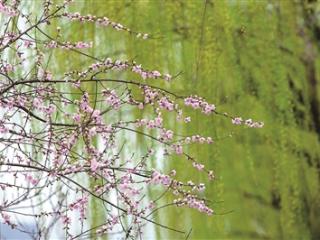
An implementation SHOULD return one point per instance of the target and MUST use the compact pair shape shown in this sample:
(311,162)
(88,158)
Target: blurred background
(255,59)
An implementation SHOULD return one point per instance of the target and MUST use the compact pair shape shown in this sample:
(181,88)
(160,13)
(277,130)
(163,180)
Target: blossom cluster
(68,45)
(249,122)
(7,10)
(30,179)
(193,202)
(103,21)
(149,74)
(199,103)
(80,205)
(159,178)
(112,98)
(198,139)
(120,65)
(6,67)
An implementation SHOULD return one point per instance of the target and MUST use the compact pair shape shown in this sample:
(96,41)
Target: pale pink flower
(94,165)
(178,149)
(77,118)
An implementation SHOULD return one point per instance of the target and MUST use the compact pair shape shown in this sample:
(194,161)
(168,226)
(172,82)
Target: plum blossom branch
(57,136)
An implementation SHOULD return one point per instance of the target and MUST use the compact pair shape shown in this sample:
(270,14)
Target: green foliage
(251,58)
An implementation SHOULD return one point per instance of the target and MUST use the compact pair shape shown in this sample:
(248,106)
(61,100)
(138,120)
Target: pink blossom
(76,84)
(167,77)
(140,106)
(77,118)
(29,178)
(196,102)
(50,109)
(187,119)
(237,120)
(208,108)
(65,219)
(92,132)
(112,98)
(6,218)
(27,44)
(249,122)
(158,121)
(94,165)
(156,74)
(209,140)
(159,178)
(166,135)
(178,149)
(165,103)
(201,187)
(136,69)
(7,10)
(37,103)
(3,128)
(198,166)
